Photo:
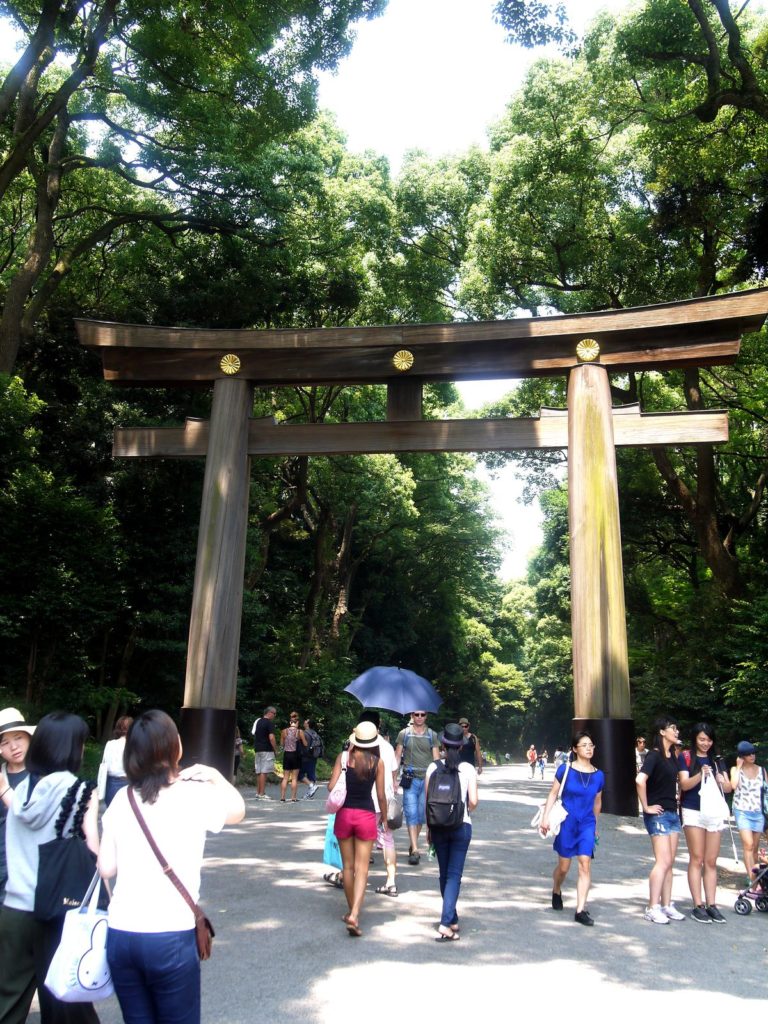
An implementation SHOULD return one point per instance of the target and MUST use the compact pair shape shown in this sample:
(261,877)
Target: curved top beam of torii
(693,332)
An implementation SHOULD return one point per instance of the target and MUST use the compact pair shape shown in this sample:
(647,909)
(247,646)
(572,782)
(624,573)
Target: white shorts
(695,820)
(264,762)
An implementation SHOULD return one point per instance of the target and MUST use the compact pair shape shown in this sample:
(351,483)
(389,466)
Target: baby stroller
(743,904)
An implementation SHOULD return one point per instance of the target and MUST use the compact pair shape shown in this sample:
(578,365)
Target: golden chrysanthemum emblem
(230,364)
(587,350)
(402,360)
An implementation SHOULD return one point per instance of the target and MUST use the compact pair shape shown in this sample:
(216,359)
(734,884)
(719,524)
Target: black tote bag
(66,865)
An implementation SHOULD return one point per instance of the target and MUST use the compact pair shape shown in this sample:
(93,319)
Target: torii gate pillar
(208,718)
(598,619)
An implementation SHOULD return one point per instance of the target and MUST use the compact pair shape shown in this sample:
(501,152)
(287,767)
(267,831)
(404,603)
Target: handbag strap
(167,869)
(562,781)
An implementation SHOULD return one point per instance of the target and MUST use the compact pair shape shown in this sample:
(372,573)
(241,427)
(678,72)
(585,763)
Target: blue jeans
(451,847)
(156,976)
(413,802)
(114,784)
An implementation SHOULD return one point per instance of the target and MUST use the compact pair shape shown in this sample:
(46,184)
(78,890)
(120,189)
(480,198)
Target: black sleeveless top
(359,790)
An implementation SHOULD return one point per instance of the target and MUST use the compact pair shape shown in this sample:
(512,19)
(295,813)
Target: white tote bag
(557,812)
(713,805)
(79,972)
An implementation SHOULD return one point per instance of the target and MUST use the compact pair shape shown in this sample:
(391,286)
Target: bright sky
(433,75)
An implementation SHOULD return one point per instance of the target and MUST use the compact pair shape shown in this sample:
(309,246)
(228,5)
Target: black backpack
(445,808)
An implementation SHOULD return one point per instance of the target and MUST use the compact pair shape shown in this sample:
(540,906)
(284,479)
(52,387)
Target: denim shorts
(663,824)
(749,821)
(413,802)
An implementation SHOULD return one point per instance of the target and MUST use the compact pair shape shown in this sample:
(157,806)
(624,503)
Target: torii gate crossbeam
(586,348)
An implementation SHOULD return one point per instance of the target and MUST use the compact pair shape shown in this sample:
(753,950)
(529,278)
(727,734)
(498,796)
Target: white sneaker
(312,791)
(673,913)
(656,915)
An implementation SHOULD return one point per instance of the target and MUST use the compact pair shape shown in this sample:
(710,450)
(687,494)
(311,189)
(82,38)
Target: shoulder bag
(337,796)
(557,813)
(204,932)
(65,865)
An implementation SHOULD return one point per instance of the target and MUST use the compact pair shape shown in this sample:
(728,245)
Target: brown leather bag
(204,932)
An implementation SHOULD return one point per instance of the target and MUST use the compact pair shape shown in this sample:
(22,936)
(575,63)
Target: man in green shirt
(417,747)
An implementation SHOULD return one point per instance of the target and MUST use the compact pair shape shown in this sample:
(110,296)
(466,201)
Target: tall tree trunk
(317,586)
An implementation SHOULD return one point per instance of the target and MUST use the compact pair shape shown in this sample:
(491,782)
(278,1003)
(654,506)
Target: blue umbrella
(394,689)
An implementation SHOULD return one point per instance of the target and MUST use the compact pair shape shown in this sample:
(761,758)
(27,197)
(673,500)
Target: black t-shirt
(661,787)
(261,733)
(467,752)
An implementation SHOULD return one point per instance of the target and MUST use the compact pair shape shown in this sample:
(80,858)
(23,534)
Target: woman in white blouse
(111,770)
(151,945)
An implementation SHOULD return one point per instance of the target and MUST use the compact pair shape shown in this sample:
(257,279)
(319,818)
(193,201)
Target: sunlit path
(282,954)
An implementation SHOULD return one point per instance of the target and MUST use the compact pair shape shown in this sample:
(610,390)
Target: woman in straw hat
(451,844)
(355,826)
(15,735)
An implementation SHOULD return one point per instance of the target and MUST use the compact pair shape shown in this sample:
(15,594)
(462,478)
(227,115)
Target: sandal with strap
(387,890)
(334,878)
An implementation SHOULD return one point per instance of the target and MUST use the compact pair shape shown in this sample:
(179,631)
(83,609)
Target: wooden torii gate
(586,348)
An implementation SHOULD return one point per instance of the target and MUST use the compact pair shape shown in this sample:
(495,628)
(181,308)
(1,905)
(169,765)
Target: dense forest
(164,163)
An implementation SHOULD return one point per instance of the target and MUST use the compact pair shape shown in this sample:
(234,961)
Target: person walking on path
(355,826)
(747,781)
(111,769)
(702,832)
(292,739)
(452,844)
(532,757)
(385,840)
(543,759)
(15,737)
(657,792)
(265,748)
(582,797)
(470,750)
(50,793)
(310,755)
(151,944)
(415,750)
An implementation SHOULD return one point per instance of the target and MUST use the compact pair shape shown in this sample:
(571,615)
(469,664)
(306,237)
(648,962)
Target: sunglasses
(419,714)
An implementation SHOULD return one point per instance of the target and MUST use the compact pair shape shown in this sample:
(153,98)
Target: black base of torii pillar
(208,718)
(598,618)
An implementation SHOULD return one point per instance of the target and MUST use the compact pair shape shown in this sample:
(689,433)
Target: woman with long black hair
(49,793)
(700,764)
(657,791)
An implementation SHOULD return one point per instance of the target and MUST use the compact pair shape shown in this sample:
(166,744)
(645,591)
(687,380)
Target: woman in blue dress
(582,798)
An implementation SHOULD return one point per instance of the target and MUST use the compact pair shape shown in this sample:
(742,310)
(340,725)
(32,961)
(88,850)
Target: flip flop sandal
(453,937)
(387,890)
(332,878)
(414,857)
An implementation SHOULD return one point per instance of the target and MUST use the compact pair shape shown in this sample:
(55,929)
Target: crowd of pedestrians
(157,816)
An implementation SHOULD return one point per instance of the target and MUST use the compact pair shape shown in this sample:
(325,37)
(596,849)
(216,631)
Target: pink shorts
(385,839)
(353,822)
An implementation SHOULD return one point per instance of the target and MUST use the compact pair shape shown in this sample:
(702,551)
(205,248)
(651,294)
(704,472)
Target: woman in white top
(151,944)
(111,770)
(747,778)
(451,844)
